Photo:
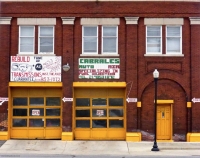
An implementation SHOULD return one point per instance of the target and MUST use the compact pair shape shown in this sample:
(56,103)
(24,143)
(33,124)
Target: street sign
(131,100)
(194,100)
(3,99)
(67,99)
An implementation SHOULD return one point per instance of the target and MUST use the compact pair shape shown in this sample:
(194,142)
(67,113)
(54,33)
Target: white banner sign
(99,68)
(35,68)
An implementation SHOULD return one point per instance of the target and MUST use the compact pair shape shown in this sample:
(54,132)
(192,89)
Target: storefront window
(82,101)
(116,113)
(99,124)
(19,122)
(37,101)
(116,124)
(82,123)
(116,102)
(52,112)
(19,112)
(20,101)
(52,122)
(82,113)
(99,101)
(53,101)
(36,123)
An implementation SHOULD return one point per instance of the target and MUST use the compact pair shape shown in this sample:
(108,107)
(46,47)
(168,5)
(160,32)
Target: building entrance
(36,113)
(99,113)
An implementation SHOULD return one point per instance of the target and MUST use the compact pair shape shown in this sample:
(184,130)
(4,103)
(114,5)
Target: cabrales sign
(35,68)
(99,68)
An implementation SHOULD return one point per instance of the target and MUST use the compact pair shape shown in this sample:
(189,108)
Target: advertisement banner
(99,68)
(35,68)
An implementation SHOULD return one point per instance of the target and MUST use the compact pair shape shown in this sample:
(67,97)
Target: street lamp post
(155,76)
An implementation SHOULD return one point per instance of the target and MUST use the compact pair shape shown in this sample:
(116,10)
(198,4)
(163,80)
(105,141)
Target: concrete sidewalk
(98,148)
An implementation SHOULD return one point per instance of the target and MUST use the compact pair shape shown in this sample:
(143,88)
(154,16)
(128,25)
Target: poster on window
(35,112)
(35,68)
(99,68)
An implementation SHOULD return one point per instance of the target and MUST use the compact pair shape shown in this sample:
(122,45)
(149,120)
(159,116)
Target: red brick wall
(178,75)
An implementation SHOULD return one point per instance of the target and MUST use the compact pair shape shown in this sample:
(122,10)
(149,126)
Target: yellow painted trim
(133,136)
(139,105)
(100,84)
(193,137)
(164,101)
(189,104)
(4,135)
(67,136)
(35,84)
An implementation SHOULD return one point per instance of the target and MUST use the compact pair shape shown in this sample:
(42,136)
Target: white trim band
(100,21)
(163,21)
(36,21)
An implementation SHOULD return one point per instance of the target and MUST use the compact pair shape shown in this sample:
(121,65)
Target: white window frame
(116,40)
(19,47)
(39,37)
(180,37)
(90,53)
(155,37)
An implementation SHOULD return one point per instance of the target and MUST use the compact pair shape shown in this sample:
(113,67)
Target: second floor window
(27,38)
(91,40)
(172,40)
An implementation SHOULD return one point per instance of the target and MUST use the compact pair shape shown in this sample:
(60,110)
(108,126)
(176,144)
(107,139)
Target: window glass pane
(53,101)
(36,101)
(82,101)
(19,112)
(109,31)
(99,113)
(153,44)
(52,112)
(19,101)
(52,122)
(153,31)
(116,102)
(36,123)
(109,45)
(36,112)
(27,31)
(173,31)
(46,44)
(83,123)
(173,45)
(99,124)
(46,31)
(90,44)
(90,31)
(19,122)
(26,44)
(116,113)
(116,123)
(99,101)
(82,113)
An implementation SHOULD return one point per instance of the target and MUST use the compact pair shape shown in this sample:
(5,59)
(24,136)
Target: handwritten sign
(99,68)
(36,112)
(35,68)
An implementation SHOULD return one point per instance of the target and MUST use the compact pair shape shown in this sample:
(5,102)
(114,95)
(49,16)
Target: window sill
(99,55)
(35,54)
(164,55)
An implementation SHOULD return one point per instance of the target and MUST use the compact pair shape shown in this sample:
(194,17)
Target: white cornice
(5,20)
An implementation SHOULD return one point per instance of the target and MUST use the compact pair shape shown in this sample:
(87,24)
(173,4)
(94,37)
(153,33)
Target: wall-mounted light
(66,67)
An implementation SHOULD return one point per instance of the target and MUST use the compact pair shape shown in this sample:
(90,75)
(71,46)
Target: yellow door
(36,113)
(99,113)
(163,122)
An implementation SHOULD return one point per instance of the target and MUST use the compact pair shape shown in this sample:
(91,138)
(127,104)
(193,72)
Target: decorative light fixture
(155,76)
(66,67)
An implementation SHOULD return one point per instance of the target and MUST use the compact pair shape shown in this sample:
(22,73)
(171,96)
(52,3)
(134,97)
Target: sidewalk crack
(127,147)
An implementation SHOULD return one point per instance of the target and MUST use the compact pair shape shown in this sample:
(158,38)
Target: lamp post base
(155,147)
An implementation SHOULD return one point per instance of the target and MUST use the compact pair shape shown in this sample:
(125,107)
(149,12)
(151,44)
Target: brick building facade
(112,48)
